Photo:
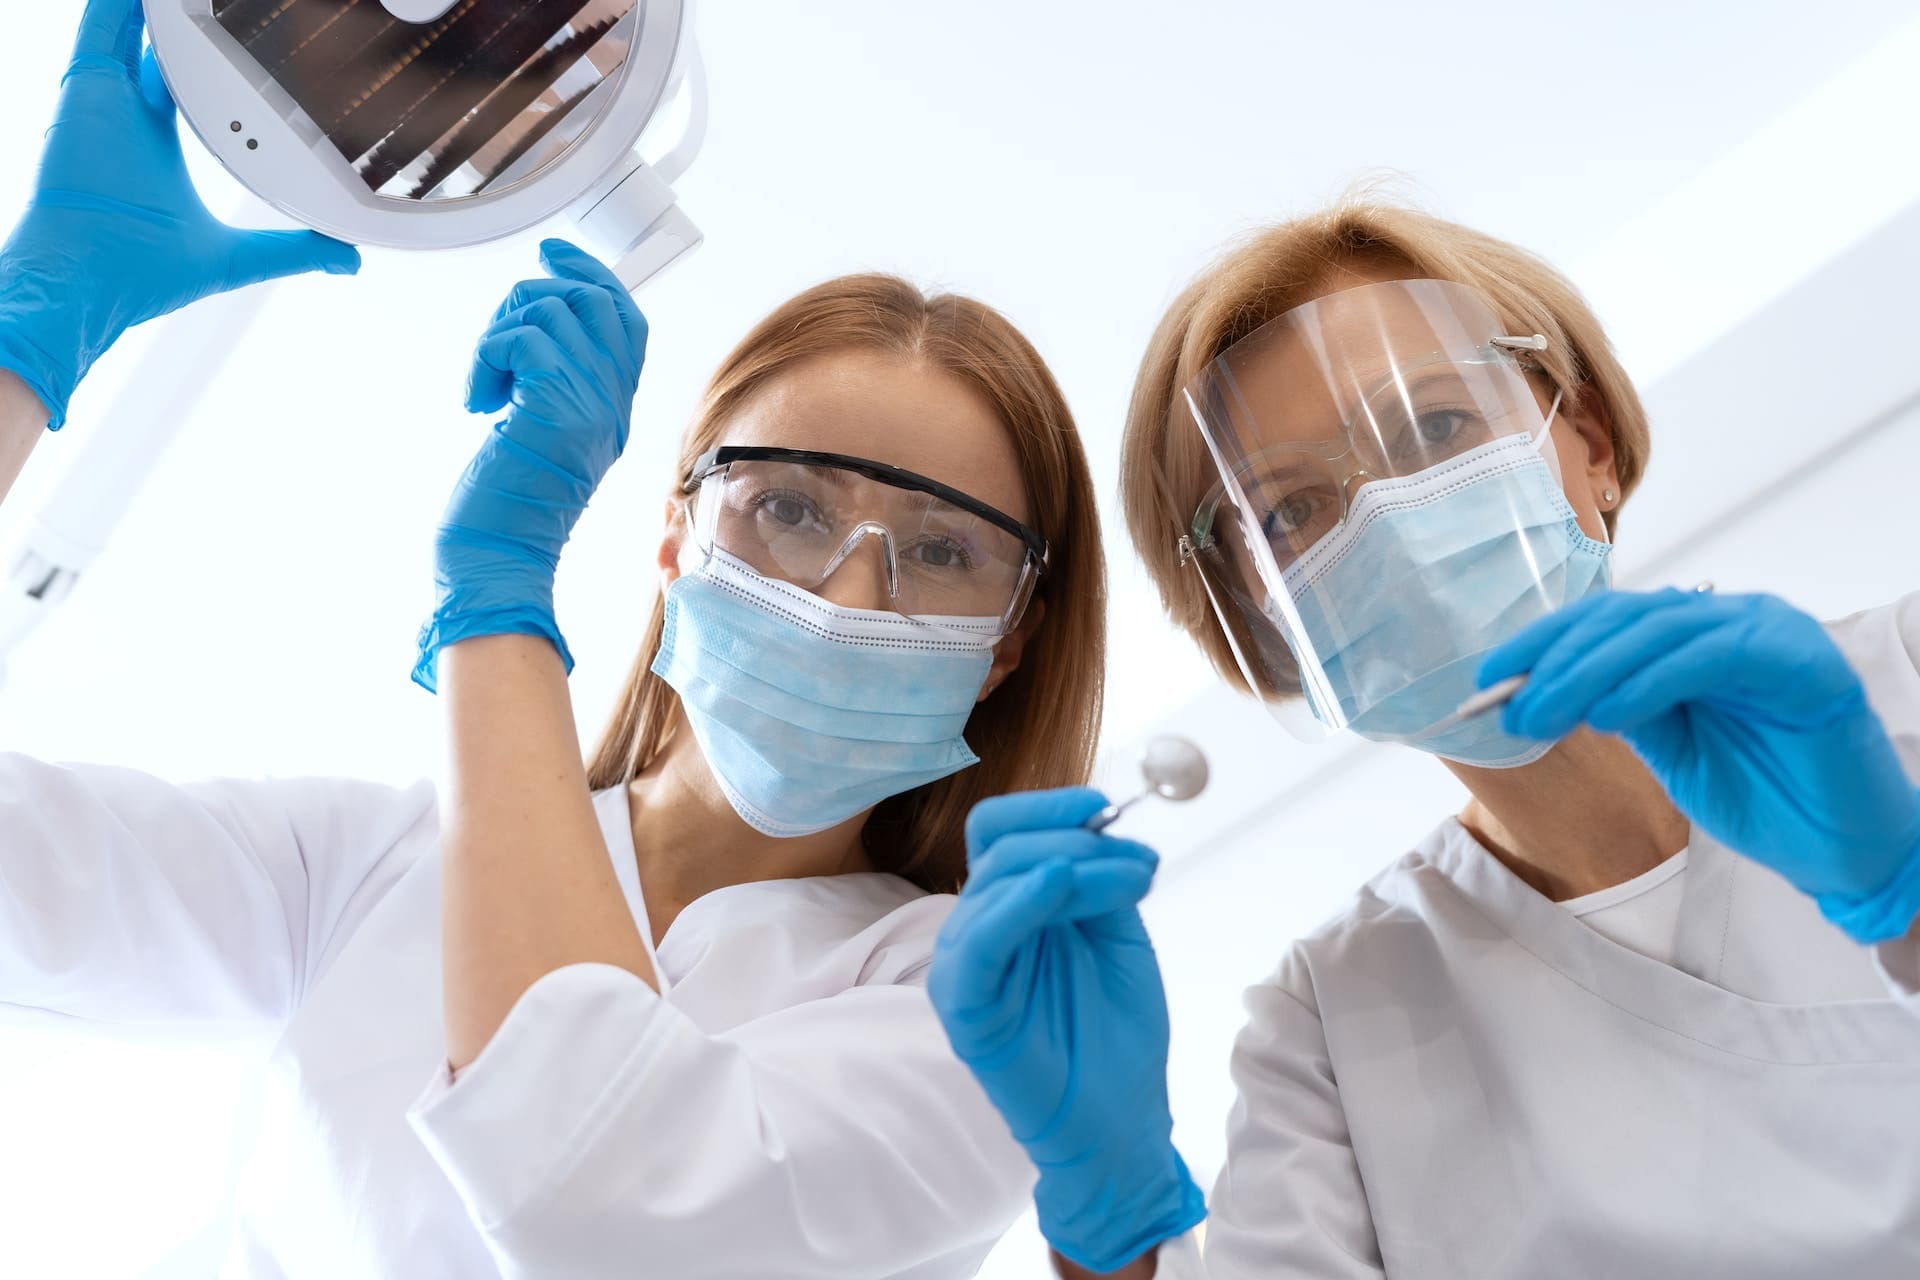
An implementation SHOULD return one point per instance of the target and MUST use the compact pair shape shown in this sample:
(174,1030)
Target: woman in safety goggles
(663,1013)
(1374,463)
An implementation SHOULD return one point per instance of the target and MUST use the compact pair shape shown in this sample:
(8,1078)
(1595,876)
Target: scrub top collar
(1682,998)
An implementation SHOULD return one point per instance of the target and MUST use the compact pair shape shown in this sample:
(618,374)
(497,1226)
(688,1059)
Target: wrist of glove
(1103,1214)
(43,327)
(1887,913)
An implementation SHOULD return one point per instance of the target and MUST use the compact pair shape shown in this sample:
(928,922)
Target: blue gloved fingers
(501,356)
(1103,887)
(153,86)
(1533,645)
(984,936)
(1690,673)
(259,256)
(109,36)
(581,354)
(1591,660)
(1611,613)
(987,929)
(567,261)
(1519,653)
(593,307)
(1057,810)
(1023,850)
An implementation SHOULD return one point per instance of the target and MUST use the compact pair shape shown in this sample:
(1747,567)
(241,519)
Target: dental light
(411,124)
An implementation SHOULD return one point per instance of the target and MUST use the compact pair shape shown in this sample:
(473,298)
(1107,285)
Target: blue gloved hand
(1046,982)
(114,234)
(1754,723)
(565,354)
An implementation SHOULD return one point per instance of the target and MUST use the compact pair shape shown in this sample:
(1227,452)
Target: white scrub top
(789,1106)
(1457,1077)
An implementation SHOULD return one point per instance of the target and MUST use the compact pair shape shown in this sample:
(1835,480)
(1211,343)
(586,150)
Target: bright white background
(1730,182)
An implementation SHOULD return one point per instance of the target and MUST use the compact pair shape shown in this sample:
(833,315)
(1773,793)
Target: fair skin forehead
(892,409)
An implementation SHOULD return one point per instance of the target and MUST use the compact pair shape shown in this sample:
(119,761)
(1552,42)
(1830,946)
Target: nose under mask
(808,713)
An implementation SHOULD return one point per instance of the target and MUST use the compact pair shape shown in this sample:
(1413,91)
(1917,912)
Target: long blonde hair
(1165,470)
(1040,727)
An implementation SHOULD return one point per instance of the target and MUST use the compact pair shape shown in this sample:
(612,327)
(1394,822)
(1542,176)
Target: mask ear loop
(1546,427)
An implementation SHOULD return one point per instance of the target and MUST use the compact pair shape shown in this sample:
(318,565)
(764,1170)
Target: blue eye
(1438,426)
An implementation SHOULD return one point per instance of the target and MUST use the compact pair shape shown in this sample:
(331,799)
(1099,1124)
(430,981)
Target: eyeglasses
(799,515)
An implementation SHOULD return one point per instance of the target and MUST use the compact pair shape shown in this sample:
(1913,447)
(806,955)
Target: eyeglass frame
(1038,552)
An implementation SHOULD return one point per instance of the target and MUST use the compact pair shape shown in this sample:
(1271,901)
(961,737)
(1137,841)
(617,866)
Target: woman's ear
(1012,647)
(673,538)
(1595,427)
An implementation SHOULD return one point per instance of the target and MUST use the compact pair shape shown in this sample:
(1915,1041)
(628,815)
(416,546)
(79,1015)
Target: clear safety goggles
(800,515)
(1356,407)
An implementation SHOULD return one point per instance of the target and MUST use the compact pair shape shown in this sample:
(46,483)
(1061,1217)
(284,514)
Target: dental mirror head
(1172,768)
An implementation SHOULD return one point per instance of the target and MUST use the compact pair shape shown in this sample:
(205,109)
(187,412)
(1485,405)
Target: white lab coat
(788,1107)
(1457,1077)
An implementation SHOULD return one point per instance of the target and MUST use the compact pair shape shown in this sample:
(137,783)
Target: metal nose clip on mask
(1173,769)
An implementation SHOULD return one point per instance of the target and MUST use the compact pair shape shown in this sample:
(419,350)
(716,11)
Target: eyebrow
(834,476)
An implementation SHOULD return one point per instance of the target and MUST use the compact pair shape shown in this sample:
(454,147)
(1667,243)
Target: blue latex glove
(565,355)
(114,234)
(1754,723)
(1048,988)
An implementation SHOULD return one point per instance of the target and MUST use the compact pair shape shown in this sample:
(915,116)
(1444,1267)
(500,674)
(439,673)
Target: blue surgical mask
(1426,576)
(808,713)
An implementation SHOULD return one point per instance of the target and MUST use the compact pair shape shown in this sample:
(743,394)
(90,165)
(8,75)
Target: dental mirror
(1172,767)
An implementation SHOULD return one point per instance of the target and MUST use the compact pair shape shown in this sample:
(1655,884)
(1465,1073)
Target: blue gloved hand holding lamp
(563,358)
(114,234)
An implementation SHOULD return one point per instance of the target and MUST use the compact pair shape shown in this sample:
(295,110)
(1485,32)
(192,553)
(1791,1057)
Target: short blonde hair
(1039,728)
(1165,470)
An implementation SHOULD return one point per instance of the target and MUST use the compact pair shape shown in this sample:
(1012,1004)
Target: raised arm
(114,234)
(23,420)
(185,912)
(526,885)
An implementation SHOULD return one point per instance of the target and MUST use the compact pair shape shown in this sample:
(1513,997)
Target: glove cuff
(443,630)
(42,374)
(1102,1223)
(1881,916)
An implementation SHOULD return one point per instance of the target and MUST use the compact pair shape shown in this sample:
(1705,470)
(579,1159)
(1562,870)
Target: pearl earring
(1606,496)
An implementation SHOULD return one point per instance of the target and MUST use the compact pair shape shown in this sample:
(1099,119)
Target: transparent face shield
(802,516)
(1388,507)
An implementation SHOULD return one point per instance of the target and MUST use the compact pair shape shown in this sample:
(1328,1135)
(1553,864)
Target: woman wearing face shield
(1374,462)
(662,1012)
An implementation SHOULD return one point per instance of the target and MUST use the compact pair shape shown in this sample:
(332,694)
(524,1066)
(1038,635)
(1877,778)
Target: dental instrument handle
(1111,814)
(1173,769)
